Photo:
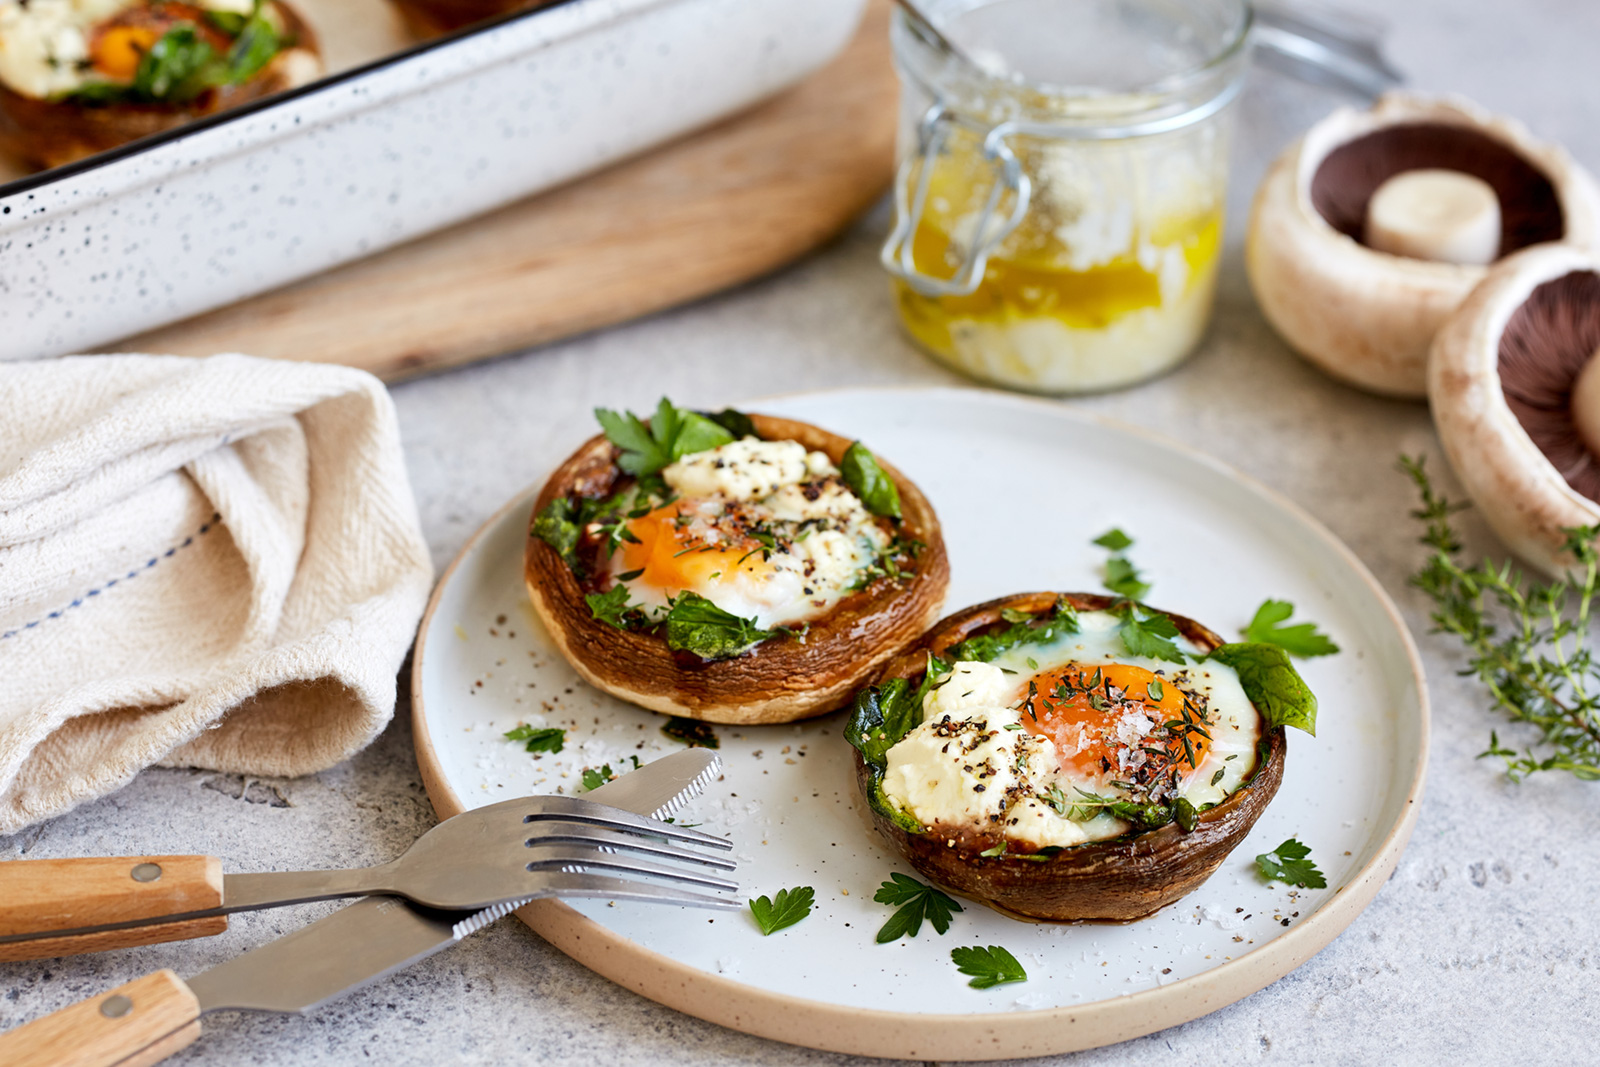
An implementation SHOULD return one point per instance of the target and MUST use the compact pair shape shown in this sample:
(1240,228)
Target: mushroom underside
(1344,182)
(1546,344)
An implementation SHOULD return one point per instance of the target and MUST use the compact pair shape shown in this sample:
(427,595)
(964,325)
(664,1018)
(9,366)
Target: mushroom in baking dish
(81,76)
(1371,229)
(1515,390)
(733,568)
(1073,757)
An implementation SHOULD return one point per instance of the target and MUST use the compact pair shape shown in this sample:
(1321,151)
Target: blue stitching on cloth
(205,528)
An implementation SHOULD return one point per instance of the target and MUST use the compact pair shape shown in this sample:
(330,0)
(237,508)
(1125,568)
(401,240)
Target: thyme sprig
(1538,669)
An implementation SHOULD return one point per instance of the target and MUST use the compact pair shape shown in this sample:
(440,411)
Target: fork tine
(591,860)
(567,884)
(549,834)
(572,809)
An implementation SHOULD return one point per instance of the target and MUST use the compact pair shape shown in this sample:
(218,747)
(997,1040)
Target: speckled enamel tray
(1010,477)
(252,199)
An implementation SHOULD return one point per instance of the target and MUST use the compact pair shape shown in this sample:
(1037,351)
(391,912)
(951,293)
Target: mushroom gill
(1342,186)
(1547,343)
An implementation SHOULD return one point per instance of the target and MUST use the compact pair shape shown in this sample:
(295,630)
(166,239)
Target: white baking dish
(253,199)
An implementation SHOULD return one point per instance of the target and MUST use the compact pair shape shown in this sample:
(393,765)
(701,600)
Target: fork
(502,854)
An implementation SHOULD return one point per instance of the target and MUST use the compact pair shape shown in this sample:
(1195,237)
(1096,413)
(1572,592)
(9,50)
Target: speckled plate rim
(977,1036)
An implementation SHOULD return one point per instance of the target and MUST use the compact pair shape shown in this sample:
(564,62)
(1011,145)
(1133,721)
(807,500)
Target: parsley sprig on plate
(785,909)
(537,738)
(989,967)
(1301,639)
(1290,863)
(914,902)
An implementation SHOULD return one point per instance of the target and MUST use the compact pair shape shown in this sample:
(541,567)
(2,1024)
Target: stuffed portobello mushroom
(1073,757)
(81,76)
(732,568)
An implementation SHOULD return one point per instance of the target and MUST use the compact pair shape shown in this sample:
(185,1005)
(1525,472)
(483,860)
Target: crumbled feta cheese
(748,469)
(969,685)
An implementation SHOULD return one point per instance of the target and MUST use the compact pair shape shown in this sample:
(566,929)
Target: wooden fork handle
(136,1024)
(40,896)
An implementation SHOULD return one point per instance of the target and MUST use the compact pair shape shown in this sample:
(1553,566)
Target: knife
(148,1019)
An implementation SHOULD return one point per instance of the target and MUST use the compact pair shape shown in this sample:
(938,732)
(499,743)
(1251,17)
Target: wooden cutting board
(714,209)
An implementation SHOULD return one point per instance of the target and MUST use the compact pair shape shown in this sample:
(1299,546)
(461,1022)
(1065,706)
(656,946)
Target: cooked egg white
(1018,745)
(762,529)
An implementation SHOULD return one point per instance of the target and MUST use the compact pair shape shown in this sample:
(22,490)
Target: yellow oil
(1032,276)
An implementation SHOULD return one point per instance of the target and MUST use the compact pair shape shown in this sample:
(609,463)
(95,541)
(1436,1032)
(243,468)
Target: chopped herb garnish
(1288,863)
(671,434)
(1149,633)
(875,489)
(595,777)
(538,739)
(1301,639)
(995,852)
(1114,539)
(1215,778)
(696,625)
(1124,579)
(1058,621)
(990,966)
(914,902)
(610,607)
(786,909)
(691,732)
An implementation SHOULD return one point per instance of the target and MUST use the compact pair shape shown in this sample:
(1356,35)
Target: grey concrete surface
(1483,948)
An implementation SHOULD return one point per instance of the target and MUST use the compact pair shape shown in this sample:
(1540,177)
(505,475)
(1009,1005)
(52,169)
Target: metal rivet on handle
(116,1007)
(146,872)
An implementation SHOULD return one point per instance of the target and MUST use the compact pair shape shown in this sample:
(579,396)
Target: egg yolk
(671,556)
(1098,715)
(120,43)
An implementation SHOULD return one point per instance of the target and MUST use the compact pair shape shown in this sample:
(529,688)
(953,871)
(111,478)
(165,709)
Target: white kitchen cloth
(210,563)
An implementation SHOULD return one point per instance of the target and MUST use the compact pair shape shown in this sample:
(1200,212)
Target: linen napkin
(212,563)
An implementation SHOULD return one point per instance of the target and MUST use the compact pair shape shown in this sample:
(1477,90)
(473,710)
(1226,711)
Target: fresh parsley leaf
(1124,579)
(1288,864)
(1272,684)
(990,966)
(691,732)
(696,625)
(253,48)
(915,902)
(229,22)
(1301,639)
(1025,629)
(735,422)
(866,480)
(609,607)
(1150,635)
(671,434)
(539,739)
(1114,539)
(595,777)
(786,909)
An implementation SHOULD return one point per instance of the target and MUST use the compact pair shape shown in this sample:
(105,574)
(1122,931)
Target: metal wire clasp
(897,255)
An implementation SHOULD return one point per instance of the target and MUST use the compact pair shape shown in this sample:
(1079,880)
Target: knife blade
(152,1017)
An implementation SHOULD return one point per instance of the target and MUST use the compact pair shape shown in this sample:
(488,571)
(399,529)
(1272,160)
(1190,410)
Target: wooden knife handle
(37,896)
(133,1025)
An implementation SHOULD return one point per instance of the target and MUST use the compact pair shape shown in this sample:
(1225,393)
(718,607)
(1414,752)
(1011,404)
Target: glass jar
(1059,206)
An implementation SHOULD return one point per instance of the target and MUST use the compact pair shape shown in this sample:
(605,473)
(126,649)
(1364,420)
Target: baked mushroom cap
(782,679)
(1117,880)
(1369,317)
(1501,380)
(49,133)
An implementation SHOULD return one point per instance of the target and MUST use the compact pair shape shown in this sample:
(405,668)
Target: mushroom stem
(1440,215)
(1586,404)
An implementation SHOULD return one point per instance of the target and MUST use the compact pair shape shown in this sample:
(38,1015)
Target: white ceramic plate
(1021,487)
